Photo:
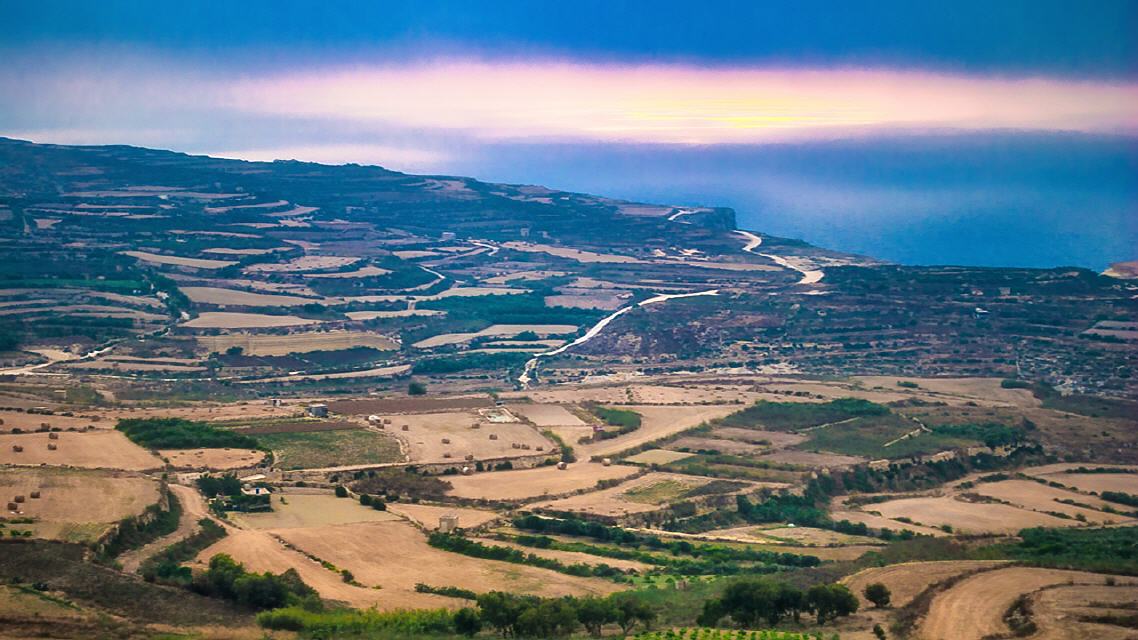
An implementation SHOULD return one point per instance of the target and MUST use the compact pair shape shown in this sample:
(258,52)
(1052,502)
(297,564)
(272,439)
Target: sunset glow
(677,104)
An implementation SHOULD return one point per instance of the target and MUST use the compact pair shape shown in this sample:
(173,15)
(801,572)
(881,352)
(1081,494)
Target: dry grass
(303,263)
(226,320)
(1057,612)
(967,517)
(427,515)
(1099,482)
(103,449)
(974,608)
(197,263)
(426,432)
(212,459)
(311,510)
(547,415)
(395,556)
(1039,497)
(906,581)
(656,422)
(659,456)
(219,296)
(641,495)
(534,483)
(258,345)
(498,330)
(75,505)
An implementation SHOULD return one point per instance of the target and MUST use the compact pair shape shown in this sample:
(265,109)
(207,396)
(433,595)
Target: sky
(792,112)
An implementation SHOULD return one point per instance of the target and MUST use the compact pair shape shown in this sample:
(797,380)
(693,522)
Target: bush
(341,491)
(878,594)
(228,579)
(467,622)
(178,433)
(416,389)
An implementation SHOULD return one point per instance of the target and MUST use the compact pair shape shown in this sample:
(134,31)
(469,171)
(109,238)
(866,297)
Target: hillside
(341,276)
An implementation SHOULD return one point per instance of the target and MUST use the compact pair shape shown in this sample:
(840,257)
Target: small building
(448,523)
(317,410)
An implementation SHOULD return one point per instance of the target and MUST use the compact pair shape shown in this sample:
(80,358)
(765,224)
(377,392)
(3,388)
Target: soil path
(194,508)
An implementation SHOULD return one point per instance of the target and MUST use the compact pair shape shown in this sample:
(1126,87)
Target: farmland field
(89,449)
(533,483)
(907,580)
(547,415)
(974,608)
(229,320)
(310,510)
(330,448)
(214,459)
(967,517)
(395,556)
(76,506)
(498,330)
(197,263)
(219,296)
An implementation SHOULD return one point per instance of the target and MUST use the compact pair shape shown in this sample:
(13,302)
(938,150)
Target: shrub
(178,433)
(878,594)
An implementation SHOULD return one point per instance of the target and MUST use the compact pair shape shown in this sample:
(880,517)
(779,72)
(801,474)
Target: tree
(467,622)
(501,610)
(595,613)
(341,491)
(830,601)
(878,594)
(629,610)
(878,632)
(260,591)
(416,388)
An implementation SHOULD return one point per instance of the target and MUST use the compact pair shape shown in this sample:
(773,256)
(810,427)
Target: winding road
(809,276)
(525,378)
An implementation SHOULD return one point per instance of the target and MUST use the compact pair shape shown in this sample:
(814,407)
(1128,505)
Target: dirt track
(974,608)
(906,581)
(194,508)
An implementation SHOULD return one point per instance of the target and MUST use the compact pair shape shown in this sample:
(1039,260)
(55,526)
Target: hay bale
(35,495)
(561,466)
(19,499)
(52,447)
(17,448)
(476,426)
(607,462)
(406,427)
(446,440)
(53,436)
(493,436)
(12,506)
(446,455)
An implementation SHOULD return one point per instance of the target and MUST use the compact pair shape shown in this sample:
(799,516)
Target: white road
(809,276)
(526,377)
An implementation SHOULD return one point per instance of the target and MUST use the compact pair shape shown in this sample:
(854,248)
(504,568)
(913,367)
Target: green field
(330,448)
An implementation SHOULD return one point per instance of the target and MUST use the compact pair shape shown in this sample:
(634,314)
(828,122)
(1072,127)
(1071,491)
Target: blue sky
(1045,36)
(793,112)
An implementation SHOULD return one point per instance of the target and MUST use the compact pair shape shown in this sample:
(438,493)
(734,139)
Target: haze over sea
(1036,200)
